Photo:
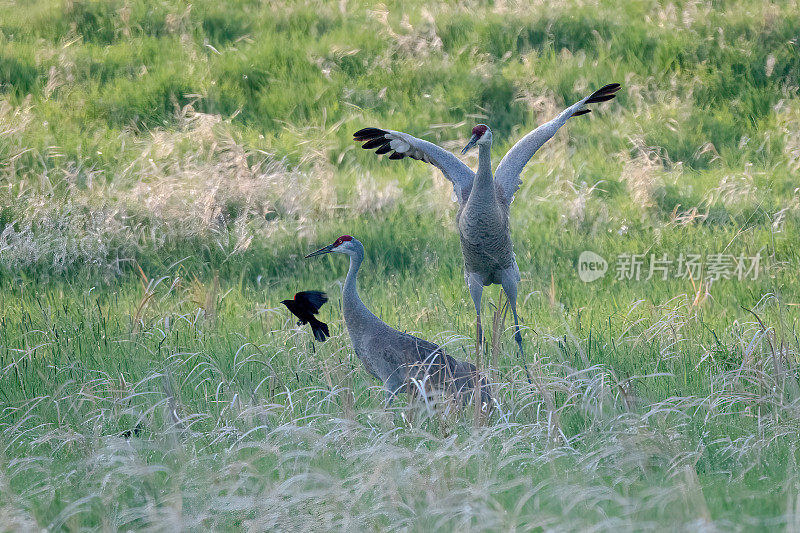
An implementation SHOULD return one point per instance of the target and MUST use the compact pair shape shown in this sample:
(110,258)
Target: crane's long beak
(470,144)
(325,250)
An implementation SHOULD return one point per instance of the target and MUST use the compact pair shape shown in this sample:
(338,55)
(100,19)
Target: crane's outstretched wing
(405,145)
(507,173)
(311,300)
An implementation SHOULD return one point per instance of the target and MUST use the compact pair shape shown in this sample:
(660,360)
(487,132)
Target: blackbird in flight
(305,305)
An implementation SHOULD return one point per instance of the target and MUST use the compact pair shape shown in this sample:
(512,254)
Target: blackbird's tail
(320,329)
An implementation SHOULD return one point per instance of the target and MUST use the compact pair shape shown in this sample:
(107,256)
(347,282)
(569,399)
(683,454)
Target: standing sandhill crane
(484,201)
(394,357)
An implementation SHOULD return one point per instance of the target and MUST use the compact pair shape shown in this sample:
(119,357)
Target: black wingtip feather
(603,98)
(384,149)
(604,93)
(581,112)
(368,133)
(397,155)
(610,88)
(373,143)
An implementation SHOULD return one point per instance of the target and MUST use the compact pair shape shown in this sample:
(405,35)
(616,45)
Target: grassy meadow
(165,166)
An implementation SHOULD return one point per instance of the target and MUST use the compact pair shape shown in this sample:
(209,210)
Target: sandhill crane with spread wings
(398,359)
(484,200)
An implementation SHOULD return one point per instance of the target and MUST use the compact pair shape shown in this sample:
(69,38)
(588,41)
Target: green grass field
(164,167)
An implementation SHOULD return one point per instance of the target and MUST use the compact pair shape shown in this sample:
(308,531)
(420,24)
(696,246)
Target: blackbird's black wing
(311,300)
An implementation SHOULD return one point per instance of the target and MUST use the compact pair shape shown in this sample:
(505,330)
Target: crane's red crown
(479,130)
(342,239)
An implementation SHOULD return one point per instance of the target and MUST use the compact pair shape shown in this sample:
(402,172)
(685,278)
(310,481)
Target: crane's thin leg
(476,291)
(475,284)
(509,282)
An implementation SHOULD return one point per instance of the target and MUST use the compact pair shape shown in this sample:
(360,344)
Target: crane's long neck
(354,309)
(483,188)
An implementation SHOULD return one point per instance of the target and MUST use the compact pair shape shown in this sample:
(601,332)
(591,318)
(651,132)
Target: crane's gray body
(484,228)
(395,357)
